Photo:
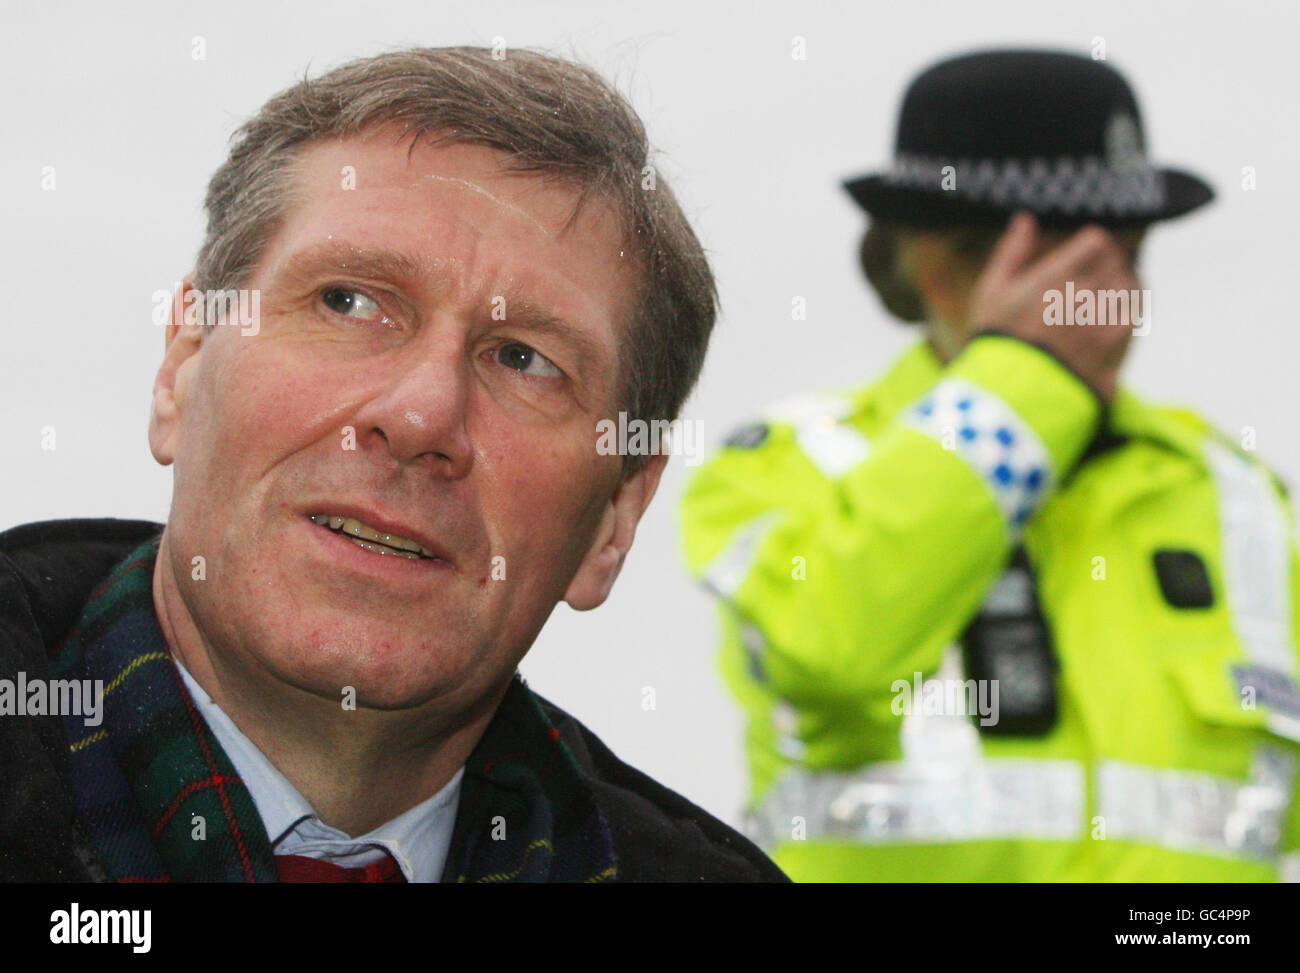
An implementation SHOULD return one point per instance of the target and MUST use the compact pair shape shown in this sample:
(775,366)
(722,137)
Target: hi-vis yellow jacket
(856,541)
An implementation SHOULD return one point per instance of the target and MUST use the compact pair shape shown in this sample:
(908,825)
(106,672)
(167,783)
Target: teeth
(381,549)
(359,533)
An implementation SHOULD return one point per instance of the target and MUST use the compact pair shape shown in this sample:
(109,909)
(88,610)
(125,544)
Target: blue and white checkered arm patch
(989,435)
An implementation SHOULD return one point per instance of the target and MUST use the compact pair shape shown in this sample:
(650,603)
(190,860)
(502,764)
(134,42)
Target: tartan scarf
(160,801)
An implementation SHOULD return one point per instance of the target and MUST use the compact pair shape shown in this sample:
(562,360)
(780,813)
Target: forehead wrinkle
(476,188)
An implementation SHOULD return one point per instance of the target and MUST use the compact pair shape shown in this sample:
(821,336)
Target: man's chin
(374,675)
(359,691)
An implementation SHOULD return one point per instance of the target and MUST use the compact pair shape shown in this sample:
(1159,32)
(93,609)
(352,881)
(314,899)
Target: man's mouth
(375,541)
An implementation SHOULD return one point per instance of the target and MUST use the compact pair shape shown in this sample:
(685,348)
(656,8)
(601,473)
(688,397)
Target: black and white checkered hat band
(1066,185)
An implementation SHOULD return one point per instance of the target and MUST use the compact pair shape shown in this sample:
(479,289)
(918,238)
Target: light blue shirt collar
(418,839)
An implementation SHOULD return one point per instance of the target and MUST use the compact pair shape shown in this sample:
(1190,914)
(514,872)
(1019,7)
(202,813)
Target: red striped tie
(299,868)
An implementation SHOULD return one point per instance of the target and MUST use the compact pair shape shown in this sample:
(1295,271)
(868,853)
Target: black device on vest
(1008,641)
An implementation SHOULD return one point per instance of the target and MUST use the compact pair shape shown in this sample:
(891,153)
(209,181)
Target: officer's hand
(1012,294)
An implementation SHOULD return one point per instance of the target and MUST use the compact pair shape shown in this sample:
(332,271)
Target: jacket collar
(161,801)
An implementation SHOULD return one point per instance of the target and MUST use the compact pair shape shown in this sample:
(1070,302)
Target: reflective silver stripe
(834,447)
(1256,557)
(942,790)
(1188,811)
(822,431)
(1005,798)
(723,578)
(785,724)
(799,409)
(728,571)
(906,801)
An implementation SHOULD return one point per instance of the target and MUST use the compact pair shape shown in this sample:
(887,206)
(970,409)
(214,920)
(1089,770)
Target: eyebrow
(346,258)
(401,269)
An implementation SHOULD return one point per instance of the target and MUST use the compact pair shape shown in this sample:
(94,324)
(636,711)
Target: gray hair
(553,117)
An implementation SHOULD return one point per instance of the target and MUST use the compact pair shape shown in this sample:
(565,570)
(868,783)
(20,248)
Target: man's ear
(183,337)
(595,577)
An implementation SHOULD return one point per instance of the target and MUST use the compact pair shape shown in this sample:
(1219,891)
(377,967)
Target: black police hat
(1060,135)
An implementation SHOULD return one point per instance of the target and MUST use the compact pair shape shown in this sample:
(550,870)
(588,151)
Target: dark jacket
(47,573)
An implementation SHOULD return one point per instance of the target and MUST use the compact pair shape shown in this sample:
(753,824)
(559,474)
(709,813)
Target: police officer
(994,617)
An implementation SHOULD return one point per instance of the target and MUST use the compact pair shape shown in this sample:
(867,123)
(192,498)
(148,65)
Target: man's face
(433,355)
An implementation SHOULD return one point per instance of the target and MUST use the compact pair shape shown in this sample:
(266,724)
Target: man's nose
(423,409)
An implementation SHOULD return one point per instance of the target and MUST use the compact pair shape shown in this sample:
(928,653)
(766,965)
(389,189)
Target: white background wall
(753,141)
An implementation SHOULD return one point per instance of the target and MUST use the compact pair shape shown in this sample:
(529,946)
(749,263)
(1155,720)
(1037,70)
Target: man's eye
(352,304)
(526,360)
